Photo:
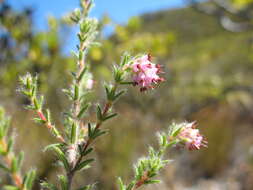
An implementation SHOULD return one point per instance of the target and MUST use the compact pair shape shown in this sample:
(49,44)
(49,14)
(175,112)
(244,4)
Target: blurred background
(206,50)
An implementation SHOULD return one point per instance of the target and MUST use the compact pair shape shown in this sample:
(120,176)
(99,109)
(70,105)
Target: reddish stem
(143,179)
(49,125)
(89,141)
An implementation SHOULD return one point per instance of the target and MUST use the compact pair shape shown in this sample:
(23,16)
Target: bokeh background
(209,78)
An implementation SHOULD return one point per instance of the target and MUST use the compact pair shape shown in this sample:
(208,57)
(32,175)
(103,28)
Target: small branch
(8,158)
(142,181)
(89,141)
(49,125)
(80,65)
(29,86)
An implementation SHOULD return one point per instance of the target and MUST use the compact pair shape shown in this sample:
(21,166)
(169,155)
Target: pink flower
(89,84)
(146,73)
(190,137)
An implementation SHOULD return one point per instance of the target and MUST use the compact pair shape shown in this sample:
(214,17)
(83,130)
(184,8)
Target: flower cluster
(146,73)
(190,136)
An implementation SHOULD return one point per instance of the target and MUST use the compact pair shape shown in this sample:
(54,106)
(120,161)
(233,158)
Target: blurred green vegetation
(208,71)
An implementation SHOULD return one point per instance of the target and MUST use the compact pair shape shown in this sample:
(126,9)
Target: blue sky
(119,10)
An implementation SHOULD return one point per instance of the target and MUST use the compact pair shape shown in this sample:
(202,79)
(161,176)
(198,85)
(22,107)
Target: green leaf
(176,131)
(73,133)
(110,116)
(10,187)
(29,179)
(61,156)
(131,185)
(63,181)
(125,59)
(51,146)
(48,115)
(2,151)
(68,93)
(14,164)
(2,134)
(36,104)
(10,145)
(80,57)
(27,83)
(4,167)
(118,74)
(152,181)
(41,101)
(76,94)
(48,186)
(99,113)
(26,93)
(84,164)
(98,133)
(55,132)
(109,91)
(39,121)
(87,152)
(29,107)
(119,94)
(33,91)
(82,74)
(164,140)
(4,126)
(87,187)
(82,111)
(20,160)
(121,185)
(90,130)
(127,83)
(173,143)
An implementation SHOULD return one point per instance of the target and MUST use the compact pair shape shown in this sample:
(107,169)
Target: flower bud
(72,154)
(89,84)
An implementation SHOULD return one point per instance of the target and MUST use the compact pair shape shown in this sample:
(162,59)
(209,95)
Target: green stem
(106,108)
(89,141)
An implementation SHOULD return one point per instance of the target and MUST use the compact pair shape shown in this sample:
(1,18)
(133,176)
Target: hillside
(186,23)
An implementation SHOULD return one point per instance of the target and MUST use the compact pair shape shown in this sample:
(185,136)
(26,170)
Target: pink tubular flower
(146,73)
(190,137)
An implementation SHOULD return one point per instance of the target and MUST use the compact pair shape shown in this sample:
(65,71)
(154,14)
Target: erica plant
(75,142)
